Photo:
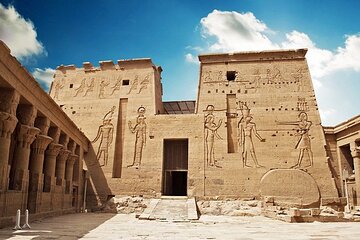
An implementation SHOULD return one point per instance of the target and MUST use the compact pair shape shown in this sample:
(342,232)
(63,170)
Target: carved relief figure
(210,133)
(58,86)
(220,76)
(247,129)
(273,77)
(140,137)
(303,143)
(90,88)
(81,88)
(134,84)
(105,134)
(103,84)
(144,83)
(116,86)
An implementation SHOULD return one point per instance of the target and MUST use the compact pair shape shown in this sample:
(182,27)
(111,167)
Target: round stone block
(290,187)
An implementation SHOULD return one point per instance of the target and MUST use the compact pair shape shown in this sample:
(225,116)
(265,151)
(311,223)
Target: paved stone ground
(120,226)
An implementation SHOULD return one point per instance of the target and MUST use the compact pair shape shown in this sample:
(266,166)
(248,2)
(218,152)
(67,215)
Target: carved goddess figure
(303,143)
(105,134)
(140,137)
(210,133)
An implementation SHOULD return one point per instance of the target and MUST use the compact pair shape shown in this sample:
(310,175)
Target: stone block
(294,212)
(297,187)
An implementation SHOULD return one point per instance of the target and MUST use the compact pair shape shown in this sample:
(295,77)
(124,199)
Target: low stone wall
(230,207)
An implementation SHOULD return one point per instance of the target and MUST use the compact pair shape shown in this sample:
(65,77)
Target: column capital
(7,124)
(40,144)
(72,158)
(26,135)
(63,155)
(54,149)
(355,152)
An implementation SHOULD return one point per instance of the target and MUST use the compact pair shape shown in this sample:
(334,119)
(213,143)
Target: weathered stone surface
(290,187)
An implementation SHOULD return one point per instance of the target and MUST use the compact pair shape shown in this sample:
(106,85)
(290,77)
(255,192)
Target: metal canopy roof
(179,107)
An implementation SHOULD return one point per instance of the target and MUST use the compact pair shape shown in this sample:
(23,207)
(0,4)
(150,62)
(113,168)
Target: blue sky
(45,34)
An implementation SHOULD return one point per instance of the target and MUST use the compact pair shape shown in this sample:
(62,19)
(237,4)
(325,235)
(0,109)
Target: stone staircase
(171,209)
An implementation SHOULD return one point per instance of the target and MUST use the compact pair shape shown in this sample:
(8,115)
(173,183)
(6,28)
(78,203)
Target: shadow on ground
(71,226)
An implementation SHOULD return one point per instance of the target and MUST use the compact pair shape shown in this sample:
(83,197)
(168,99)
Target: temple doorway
(175,167)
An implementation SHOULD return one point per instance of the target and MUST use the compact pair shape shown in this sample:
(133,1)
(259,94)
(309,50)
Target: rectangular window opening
(125,82)
(231,75)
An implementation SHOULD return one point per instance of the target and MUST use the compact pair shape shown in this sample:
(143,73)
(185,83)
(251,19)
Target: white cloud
(44,77)
(326,114)
(235,31)
(191,58)
(18,33)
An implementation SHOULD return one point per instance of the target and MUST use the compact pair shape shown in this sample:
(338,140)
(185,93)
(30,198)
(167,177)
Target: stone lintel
(253,56)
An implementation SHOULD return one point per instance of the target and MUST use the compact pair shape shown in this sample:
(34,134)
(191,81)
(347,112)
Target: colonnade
(36,159)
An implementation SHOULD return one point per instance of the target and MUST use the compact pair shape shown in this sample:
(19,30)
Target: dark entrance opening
(175,167)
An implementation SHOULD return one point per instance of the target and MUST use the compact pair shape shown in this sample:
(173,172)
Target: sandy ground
(122,226)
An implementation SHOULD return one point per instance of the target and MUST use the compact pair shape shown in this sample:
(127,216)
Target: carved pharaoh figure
(105,135)
(247,129)
(210,133)
(116,86)
(303,144)
(140,137)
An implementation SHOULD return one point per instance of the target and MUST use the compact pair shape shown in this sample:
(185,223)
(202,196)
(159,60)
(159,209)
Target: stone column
(26,134)
(60,166)
(36,164)
(50,164)
(37,154)
(69,171)
(9,100)
(355,153)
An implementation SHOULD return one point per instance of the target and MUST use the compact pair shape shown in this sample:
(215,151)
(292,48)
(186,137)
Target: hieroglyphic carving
(105,134)
(58,86)
(274,77)
(140,137)
(103,84)
(246,130)
(81,88)
(207,76)
(298,76)
(210,133)
(303,144)
(302,105)
(220,76)
(90,88)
